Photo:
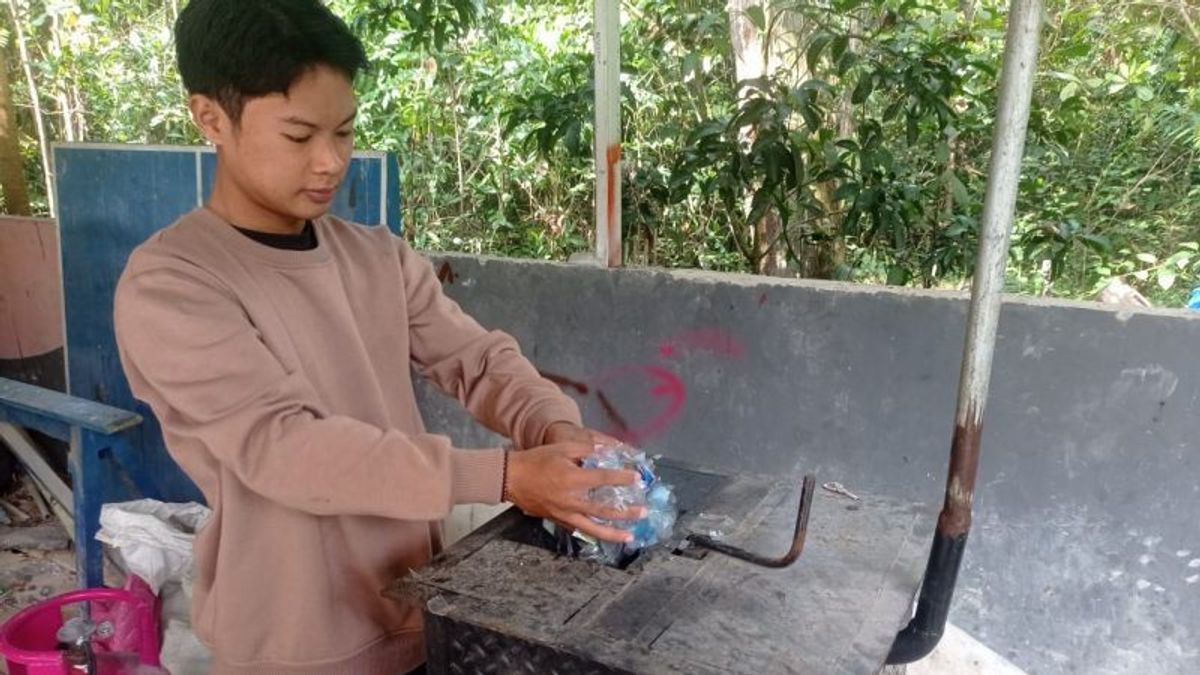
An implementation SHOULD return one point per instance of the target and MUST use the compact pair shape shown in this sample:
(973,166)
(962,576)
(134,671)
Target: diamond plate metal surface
(457,648)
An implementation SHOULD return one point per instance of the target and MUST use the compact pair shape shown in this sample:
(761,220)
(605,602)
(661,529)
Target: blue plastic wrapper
(650,492)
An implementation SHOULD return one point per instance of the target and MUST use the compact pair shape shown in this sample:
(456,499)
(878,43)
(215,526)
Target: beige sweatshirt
(282,382)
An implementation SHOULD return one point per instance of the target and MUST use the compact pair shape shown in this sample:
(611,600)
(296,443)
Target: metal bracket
(808,487)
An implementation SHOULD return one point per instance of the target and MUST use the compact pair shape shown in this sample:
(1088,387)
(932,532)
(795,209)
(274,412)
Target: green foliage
(861,152)
(1111,181)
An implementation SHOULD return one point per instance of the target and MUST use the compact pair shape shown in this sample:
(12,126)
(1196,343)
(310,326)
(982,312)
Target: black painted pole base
(925,629)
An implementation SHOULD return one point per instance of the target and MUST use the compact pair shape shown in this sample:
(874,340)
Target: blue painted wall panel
(208,172)
(110,200)
(395,219)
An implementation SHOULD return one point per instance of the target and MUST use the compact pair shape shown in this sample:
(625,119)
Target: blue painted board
(110,199)
(392,211)
(70,410)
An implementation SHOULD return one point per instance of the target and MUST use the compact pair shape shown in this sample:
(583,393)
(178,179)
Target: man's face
(282,164)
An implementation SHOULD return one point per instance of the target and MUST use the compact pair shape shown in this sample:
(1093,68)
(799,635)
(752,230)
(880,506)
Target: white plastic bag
(153,538)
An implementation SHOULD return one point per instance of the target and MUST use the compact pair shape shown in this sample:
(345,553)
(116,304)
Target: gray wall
(1085,553)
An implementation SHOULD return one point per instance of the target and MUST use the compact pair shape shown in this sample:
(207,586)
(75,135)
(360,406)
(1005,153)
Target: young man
(274,344)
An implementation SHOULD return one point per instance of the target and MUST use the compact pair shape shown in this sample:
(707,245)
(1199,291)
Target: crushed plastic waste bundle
(650,492)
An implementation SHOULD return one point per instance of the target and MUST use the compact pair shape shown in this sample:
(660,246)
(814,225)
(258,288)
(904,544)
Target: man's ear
(210,118)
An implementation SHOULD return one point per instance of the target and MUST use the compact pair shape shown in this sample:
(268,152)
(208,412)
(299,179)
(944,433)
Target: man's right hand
(548,482)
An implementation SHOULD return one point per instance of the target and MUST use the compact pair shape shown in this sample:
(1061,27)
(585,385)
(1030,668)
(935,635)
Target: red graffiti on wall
(712,340)
(651,395)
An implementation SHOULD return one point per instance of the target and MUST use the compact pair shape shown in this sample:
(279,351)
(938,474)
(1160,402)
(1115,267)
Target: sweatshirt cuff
(477,476)
(534,429)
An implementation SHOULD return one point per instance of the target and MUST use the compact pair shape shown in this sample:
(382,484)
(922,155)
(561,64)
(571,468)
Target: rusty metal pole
(1008,146)
(607,71)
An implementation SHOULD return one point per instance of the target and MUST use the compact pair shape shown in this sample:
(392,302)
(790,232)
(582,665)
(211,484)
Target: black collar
(306,240)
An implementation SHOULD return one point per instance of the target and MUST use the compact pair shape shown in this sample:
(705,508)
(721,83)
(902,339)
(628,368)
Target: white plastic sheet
(153,538)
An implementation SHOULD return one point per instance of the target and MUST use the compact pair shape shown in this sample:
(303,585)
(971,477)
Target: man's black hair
(236,50)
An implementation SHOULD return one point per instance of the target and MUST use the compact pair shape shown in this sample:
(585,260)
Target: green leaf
(846,62)
(848,190)
(1166,279)
(812,120)
(851,221)
(813,56)
(942,152)
(840,44)
(866,84)
(1144,93)
(1068,91)
(1096,242)
(758,17)
(798,173)
(957,189)
(1179,259)
(759,206)
(867,199)
(1148,258)
(897,276)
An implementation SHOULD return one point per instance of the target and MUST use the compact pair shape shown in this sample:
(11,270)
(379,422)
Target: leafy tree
(843,139)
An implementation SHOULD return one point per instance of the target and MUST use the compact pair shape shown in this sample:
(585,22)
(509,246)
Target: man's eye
(345,134)
(297,139)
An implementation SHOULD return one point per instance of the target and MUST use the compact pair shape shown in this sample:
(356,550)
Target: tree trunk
(65,107)
(750,62)
(12,168)
(749,58)
(43,141)
(822,259)
(967,7)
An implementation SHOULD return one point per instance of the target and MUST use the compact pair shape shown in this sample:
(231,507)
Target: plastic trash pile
(650,492)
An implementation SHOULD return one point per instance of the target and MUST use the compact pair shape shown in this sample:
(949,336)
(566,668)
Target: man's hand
(548,482)
(567,432)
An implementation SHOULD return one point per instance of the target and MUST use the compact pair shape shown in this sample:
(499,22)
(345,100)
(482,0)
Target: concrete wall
(1085,553)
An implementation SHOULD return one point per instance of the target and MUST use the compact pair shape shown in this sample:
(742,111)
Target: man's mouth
(321,196)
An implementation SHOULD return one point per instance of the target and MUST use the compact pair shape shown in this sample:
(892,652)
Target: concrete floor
(960,654)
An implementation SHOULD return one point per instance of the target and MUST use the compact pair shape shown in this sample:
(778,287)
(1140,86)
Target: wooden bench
(97,435)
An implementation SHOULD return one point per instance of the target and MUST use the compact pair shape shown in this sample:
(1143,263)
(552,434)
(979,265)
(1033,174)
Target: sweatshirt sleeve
(484,370)
(190,350)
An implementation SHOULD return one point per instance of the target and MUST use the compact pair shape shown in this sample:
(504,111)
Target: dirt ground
(37,560)
(36,557)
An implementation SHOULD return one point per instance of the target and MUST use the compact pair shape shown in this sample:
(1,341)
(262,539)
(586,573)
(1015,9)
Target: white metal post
(999,205)
(608,131)
(922,633)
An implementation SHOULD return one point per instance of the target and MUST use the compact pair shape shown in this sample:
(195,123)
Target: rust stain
(446,274)
(955,518)
(614,252)
(606,405)
(614,418)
